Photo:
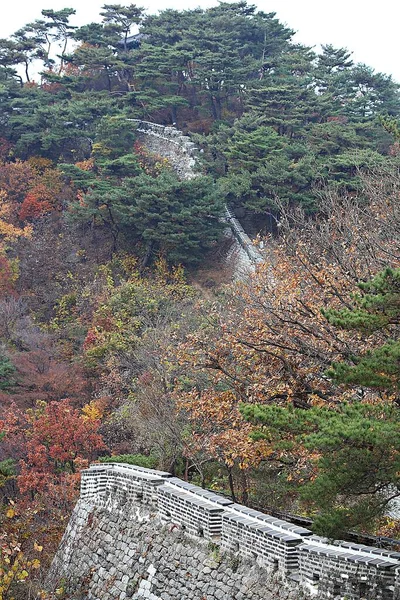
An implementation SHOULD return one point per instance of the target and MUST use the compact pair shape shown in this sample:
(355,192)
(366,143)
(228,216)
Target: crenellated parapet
(168,133)
(318,566)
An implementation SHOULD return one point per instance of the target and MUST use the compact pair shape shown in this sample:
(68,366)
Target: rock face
(139,533)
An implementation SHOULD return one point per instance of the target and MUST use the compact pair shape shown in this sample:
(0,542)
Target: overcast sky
(369,29)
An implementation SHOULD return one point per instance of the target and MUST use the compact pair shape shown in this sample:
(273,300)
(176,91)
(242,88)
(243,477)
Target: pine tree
(355,444)
(7,371)
(376,309)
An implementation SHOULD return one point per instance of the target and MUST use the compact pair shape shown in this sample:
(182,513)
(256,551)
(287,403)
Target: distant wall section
(170,143)
(181,152)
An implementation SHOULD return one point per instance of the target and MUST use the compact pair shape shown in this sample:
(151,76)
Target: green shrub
(150,462)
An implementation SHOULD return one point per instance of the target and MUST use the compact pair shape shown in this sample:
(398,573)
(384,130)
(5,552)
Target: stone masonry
(169,143)
(140,533)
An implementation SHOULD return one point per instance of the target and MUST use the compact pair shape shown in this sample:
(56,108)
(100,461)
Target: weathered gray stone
(151,556)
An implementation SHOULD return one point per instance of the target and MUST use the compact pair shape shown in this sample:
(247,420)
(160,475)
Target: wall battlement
(317,566)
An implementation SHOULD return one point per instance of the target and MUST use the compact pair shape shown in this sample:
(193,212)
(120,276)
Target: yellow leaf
(10,513)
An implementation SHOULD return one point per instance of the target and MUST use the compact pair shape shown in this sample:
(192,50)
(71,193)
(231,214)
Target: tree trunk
(147,256)
(62,56)
(231,484)
(27,72)
(245,488)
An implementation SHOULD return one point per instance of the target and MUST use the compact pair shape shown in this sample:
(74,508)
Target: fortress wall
(169,143)
(140,533)
(181,152)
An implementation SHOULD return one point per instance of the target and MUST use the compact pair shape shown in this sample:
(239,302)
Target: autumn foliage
(108,345)
(29,189)
(270,343)
(6,277)
(34,205)
(58,443)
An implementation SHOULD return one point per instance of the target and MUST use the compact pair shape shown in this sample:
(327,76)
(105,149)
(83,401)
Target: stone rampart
(252,252)
(169,143)
(140,533)
(181,152)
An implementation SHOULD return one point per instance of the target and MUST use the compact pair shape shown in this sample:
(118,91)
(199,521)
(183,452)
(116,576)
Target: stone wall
(110,555)
(169,143)
(140,533)
(245,242)
(348,571)
(181,152)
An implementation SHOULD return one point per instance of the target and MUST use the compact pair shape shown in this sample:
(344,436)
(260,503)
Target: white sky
(368,28)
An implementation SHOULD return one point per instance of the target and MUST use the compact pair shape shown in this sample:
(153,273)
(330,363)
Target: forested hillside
(121,333)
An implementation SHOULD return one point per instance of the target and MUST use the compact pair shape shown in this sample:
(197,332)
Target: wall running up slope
(169,143)
(181,152)
(140,533)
